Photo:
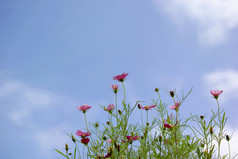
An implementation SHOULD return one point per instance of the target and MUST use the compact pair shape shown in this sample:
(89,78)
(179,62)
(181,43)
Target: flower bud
(227,138)
(156,90)
(139,106)
(104,138)
(70,153)
(160,138)
(201,117)
(171,93)
(108,122)
(96,125)
(119,111)
(211,130)
(66,147)
(73,139)
(147,124)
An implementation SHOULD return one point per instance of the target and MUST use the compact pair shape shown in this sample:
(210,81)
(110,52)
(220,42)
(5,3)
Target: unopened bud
(119,111)
(70,153)
(160,138)
(227,138)
(139,106)
(108,122)
(104,138)
(211,130)
(171,93)
(73,139)
(96,125)
(156,90)
(201,117)
(147,124)
(66,147)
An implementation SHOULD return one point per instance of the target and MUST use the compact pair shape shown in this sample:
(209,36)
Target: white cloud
(226,80)
(28,108)
(214,19)
(19,117)
(233,142)
(52,138)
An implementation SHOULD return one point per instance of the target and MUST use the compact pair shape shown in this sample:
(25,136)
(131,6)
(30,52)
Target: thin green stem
(229,150)
(159,96)
(141,118)
(147,116)
(124,92)
(86,122)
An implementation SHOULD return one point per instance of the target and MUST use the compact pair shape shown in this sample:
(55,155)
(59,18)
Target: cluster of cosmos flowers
(170,124)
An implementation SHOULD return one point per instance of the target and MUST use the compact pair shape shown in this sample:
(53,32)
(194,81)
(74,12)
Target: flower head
(175,106)
(109,141)
(82,134)
(107,155)
(115,88)
(216,93)
(131,139)
(121,77)
(84,108)
(85,141)
(148,107)
(110,107)
(168,126)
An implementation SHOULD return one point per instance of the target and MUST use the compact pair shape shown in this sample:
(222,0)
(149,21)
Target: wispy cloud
(213,19)
(28,109)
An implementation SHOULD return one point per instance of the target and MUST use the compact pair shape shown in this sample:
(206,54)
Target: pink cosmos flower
(85,141)
(110,107)
(175,106)
(121,77)
(109,141)
(167,125)
(115,88)
(82,134)
(108,155)
(84,108)
(130,138)
(148,107)
(216,93)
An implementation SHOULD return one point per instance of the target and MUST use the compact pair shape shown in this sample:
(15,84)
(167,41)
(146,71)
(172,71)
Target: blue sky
(57,54)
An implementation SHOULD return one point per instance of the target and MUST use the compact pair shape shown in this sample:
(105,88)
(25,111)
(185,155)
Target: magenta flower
(108,155)
(131,139)
(110,107)
(168,126)
(82,134)
(175,106)
(121,77)
(109,141)
(216,93)
(85,141)
(115,88)
(84,108)
(148,107)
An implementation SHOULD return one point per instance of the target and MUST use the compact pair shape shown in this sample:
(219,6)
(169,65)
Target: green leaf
(62,153)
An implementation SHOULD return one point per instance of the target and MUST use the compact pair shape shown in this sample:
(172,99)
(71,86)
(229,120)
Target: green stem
(146,116)
(229,150)
(141,118)
(220,127)
(116,107)
(86,121)
(124,92)
(77,149)
(159,96)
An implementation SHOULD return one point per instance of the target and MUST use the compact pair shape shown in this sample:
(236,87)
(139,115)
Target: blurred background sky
(59,54)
